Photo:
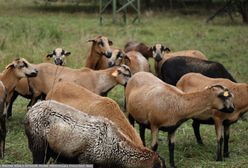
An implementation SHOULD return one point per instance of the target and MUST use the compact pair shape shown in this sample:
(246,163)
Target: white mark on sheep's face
(59,56)
(122,74)
(224,99)
(158,51)
(23,68)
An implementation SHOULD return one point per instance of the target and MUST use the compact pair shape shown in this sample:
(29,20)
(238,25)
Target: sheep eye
(100,43)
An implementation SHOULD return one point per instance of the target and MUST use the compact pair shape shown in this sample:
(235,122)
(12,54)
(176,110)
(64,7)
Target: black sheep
(174,68)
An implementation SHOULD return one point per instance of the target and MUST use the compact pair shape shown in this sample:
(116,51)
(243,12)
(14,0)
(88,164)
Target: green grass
(31,31)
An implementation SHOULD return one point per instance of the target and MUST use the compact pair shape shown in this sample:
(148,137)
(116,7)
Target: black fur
(174,68)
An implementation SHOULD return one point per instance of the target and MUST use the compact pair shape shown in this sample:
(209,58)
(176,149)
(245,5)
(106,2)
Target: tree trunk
(243,9)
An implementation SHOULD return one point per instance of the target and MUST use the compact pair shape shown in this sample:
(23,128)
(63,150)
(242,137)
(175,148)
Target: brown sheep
(162,53)
(22,87)
(19,68)
(140,47)
(135,60)
(222,121)
(153,103)
(105,62)
(99,82)
(84,100)
(100,47)
(71,136)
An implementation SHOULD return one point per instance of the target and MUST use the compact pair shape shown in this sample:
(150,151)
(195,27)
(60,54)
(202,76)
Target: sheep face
(158,51)
(102,46)
(116,58)
(122,74)
(224,99)
(23,68)
(59,56)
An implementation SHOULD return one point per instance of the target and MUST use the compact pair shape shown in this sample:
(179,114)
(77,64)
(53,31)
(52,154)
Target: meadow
(31,31)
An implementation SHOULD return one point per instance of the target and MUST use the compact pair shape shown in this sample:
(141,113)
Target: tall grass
(31,31)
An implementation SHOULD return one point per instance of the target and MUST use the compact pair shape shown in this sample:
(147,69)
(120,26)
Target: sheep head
(122,74)
(116,58)
(59,56)
(22,68)
(158,51)
(224,98)
(102,46)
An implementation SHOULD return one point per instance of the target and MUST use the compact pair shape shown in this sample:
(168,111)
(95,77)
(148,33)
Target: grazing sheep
(100,47)
(58,55)
(194,81)
(71,136)
(153,103)
(19,68)
(3,130)
(162,53)
(84,100)
(174,68)
(140,47)
(99,82)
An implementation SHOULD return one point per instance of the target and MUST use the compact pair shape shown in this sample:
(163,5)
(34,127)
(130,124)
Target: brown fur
(105,62)
(194,81)
(87,101)
(19,68)
(99,82)
(98,51)
(140,47)
(136,61)
(152,102)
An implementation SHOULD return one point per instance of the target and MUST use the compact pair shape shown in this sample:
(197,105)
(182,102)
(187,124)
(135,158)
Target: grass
(31,31)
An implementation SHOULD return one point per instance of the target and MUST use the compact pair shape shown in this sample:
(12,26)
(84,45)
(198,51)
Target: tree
(242,6)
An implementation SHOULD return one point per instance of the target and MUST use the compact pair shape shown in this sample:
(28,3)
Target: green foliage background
(31,31)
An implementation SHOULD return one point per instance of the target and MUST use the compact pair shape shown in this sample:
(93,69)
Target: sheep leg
(33,100)
(171,144)
(196,127)
(219,134)
(142,129)
(131,119)
(226,140)
(12,99)
(154,132)
(3,131)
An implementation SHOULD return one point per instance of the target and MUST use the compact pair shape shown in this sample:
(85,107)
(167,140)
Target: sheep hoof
(200,143)
(219,159)
(155,147)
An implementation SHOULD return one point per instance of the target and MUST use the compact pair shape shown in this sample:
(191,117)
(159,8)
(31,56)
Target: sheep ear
(92,41)
(115,73)
(127,60)
(166,49)
(67,53)
(49,55)
(11,65)
(110,42)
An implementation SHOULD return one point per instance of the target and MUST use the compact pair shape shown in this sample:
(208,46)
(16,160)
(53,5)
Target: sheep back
(174,68)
